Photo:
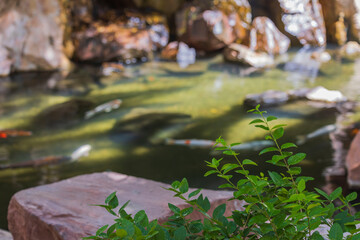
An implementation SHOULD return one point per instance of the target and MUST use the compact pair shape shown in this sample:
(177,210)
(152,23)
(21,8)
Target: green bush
(277,205)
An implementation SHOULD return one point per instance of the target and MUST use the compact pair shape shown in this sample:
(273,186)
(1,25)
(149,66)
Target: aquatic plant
(277,205)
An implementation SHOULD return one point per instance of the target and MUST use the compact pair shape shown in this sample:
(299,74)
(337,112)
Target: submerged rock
(266,99)
(304,19)
(265,37)
(242,54)
(31,36)
(63,114)
(42,213)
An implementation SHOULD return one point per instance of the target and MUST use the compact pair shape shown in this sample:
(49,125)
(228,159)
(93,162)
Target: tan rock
(62,210)
(242,54)
(265,37)
(32,34)
(353,163)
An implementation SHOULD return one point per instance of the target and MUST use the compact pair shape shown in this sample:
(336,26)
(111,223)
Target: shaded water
(156,99)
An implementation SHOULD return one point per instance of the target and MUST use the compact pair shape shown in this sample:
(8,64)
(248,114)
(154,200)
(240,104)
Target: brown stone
(304,19)
(32,33)
(265,37)
(105,42)
(63,210)
(212,25)
(353,163)
(170,51)
(242,54)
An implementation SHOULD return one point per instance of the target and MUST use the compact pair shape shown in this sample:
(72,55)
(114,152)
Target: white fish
(319,132)
(253,145)
(82,151)
(106,107)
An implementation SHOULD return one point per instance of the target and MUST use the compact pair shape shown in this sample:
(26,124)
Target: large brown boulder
(62,210)
(266,37)
(353,163)
(210,26)
(341,19)
(105,42)
(31,35)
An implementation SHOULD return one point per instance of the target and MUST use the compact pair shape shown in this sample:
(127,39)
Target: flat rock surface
(353,163)
(5,235)
(62,210)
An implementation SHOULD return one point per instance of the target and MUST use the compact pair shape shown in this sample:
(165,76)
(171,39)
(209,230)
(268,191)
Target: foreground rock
(31,36)
(242,54)
(4,235)
(62,210)
(265,37)
(353,163)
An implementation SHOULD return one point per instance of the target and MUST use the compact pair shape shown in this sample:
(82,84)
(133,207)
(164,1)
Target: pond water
(159,101)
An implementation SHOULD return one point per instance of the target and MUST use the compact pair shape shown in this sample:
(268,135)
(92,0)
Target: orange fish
(14,133)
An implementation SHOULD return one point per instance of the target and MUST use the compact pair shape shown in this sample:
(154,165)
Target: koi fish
(51,160)
(191,142)
(14,133)
(106,107)
(317,133)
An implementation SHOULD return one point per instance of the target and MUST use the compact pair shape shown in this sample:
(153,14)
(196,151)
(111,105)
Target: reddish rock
(170,51)
(304,19)
(62,210)
(353,163)
(265,37)
(32,34)
(242,54)
(101,42)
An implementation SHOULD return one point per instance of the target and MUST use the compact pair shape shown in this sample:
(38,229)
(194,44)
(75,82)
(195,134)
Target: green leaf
(277,179)
(234,144)
(204,203)
(271,118)
(175,184)
(316,236)
(209,173)
(112,200)
(124,206)
(256,121)
(121,233)
(301,185)
(295,159)
(335,194)
(269,149)
(194,193)
(262,126)
(226,185)
(187,211)
(174,208)
(322,193)
(336,232)
(278,133)
(351,197)
(184,186)
(249,162)
(219,211)
(101,230)
(180,233)
(294,170)
(228,167)
(278,126)
(287,145)
(141,218)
